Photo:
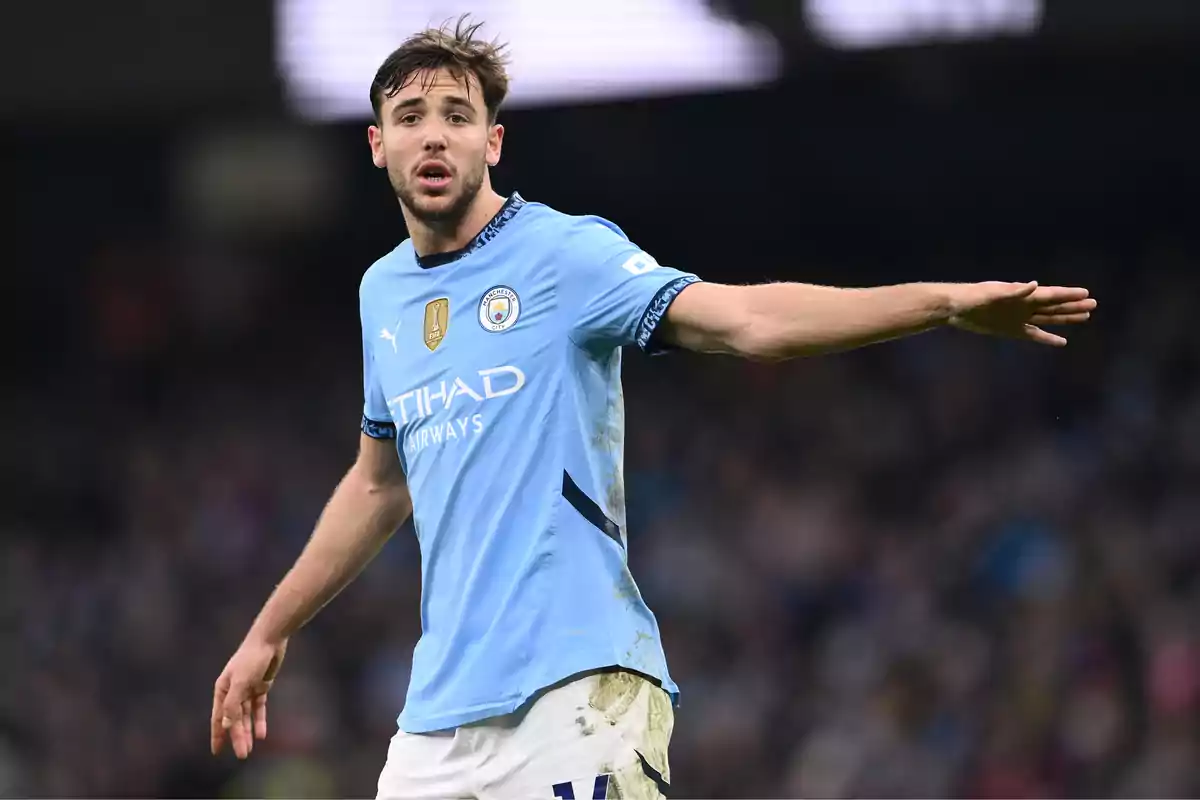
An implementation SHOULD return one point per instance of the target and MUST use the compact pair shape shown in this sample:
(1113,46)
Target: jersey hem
(454,719)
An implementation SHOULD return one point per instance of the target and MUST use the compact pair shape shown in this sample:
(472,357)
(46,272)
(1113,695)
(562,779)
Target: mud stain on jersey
(624,589)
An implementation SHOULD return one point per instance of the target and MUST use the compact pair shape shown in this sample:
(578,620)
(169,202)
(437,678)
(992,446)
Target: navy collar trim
(509,210)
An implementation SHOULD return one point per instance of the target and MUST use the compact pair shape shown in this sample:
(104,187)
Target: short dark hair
(452,48)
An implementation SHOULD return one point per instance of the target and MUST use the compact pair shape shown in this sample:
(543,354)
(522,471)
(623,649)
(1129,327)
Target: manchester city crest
(499,309)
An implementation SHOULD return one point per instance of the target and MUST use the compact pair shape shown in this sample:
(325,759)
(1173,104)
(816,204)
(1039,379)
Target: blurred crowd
(942,566)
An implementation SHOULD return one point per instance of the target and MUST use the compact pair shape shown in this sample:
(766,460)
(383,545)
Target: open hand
(240,696)
(1018,310)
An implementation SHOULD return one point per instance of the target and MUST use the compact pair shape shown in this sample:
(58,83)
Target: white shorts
(599,735)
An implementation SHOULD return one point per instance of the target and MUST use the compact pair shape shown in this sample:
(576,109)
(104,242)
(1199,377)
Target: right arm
(366,508)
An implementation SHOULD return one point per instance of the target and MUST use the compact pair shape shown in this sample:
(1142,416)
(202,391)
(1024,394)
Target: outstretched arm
(775,322)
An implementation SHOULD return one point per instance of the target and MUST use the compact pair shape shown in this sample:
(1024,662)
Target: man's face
(436,143)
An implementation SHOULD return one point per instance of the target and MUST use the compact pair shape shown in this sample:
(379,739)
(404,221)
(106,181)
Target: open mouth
(434,176)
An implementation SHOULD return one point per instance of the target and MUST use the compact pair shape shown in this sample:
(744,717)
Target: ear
(494,144)
(375,138)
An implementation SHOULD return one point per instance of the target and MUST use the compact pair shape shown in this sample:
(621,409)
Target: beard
(447,217)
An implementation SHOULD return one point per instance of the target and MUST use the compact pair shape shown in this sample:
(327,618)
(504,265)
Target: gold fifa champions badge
(437,319)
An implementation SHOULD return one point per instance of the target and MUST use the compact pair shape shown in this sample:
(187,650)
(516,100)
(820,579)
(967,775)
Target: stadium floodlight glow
(860,24)
(562,50)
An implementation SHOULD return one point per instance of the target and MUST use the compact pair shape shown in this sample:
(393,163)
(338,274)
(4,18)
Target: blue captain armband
(656,311)
(378,430)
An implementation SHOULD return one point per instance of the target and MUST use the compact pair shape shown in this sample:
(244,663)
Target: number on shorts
(565,791)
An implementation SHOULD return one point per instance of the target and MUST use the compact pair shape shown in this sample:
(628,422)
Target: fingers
(1036,334)
(240,714)
(1060,319)
(217,732)
(1057,295)
(247,727)
(260,716)
(1071,312)
(1070,307)
(235,718)
(240,701)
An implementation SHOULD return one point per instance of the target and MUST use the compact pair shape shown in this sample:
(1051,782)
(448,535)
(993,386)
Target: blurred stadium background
(941,567)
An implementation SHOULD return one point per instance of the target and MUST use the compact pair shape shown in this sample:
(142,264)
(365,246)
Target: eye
(458,119)
(409,119)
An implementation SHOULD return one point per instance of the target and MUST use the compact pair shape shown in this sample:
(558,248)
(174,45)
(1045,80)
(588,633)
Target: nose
(435,138)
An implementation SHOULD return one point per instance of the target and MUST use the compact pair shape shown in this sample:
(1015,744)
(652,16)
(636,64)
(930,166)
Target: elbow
(758,333)
(737,321)
(377,487)
(756,342)
(390,492)
(385,485)
(759,337)
(392,498)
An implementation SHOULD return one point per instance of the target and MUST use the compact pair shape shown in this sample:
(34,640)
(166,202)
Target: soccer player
(493,414)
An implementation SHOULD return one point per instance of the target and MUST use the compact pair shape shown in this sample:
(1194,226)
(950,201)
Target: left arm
(775,322)
(616,294)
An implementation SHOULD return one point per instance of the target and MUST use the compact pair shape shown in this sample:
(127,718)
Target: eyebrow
(451,100)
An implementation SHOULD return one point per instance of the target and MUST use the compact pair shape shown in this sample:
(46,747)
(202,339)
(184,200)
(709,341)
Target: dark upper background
(944,566)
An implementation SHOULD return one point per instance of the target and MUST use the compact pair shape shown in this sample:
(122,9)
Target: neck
(438,237)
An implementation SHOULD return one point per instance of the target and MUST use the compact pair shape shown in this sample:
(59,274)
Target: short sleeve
(377,419)
(615,293)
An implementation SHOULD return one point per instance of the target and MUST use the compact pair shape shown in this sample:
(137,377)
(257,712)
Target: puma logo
(390,336)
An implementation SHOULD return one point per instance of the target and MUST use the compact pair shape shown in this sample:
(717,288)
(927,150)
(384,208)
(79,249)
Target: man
(493,413)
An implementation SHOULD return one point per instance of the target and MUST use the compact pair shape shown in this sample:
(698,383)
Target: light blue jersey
(497,370)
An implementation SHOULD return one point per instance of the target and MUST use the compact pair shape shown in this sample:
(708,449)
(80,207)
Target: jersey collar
(511,206)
